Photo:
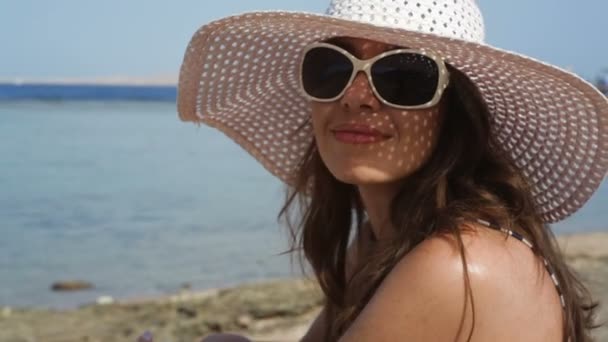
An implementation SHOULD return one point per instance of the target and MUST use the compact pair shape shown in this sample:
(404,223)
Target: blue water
(126,196)
(98,92)
(130,198)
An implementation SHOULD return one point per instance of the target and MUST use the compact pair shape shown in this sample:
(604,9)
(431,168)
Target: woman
(445,158)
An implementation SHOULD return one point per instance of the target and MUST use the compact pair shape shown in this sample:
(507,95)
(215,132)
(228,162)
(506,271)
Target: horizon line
(165,80)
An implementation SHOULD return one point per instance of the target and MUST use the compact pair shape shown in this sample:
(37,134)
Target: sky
(46,39)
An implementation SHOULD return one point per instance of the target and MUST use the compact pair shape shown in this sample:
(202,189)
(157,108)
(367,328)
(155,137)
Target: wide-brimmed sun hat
(240,75)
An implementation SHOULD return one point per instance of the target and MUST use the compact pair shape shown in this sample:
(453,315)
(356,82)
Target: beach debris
(180,297)
(187,312)
(104,300)
(244,321)
(71,285)
(146,337)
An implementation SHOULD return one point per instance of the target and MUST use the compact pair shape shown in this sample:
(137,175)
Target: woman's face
(361,140)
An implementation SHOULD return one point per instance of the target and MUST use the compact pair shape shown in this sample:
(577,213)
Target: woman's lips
(358,134)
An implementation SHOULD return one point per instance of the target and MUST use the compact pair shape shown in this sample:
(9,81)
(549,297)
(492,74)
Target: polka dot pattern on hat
(240,74)
(449,18)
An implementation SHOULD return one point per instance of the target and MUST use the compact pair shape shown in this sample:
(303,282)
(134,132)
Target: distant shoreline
(89,83)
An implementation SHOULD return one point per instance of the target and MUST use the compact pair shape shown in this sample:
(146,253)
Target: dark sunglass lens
(406,79)
(325,72)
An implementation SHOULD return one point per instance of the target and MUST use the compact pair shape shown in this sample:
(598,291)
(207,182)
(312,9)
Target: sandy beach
(274,310)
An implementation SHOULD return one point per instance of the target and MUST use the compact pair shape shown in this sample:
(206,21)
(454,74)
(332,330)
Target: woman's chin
(364,175)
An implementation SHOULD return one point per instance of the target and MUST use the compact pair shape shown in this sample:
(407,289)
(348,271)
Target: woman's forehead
(362,47)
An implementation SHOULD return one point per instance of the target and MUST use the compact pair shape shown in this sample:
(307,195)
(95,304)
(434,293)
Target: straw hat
(240,75)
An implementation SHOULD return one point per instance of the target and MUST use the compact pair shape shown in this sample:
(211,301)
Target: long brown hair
(467,177)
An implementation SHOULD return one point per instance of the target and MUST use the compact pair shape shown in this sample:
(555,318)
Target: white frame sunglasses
(366,65)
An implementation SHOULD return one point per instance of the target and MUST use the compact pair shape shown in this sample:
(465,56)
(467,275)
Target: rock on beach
(71,285)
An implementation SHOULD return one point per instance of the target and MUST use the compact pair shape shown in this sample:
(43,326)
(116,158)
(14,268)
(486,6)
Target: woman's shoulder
(507,279)
(424,294)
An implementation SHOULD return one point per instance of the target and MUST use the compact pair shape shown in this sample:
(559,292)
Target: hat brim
(240,75)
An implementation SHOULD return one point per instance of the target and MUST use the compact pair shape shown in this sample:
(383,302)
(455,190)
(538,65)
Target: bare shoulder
(423,297)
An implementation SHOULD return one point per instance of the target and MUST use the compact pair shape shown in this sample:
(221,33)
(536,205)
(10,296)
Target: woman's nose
(359,96)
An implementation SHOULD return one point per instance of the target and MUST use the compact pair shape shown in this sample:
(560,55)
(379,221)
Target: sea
(120,193)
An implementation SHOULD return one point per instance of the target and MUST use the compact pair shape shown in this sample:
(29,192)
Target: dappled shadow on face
(409,140)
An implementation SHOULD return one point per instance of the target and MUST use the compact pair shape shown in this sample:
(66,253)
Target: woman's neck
(377,200)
